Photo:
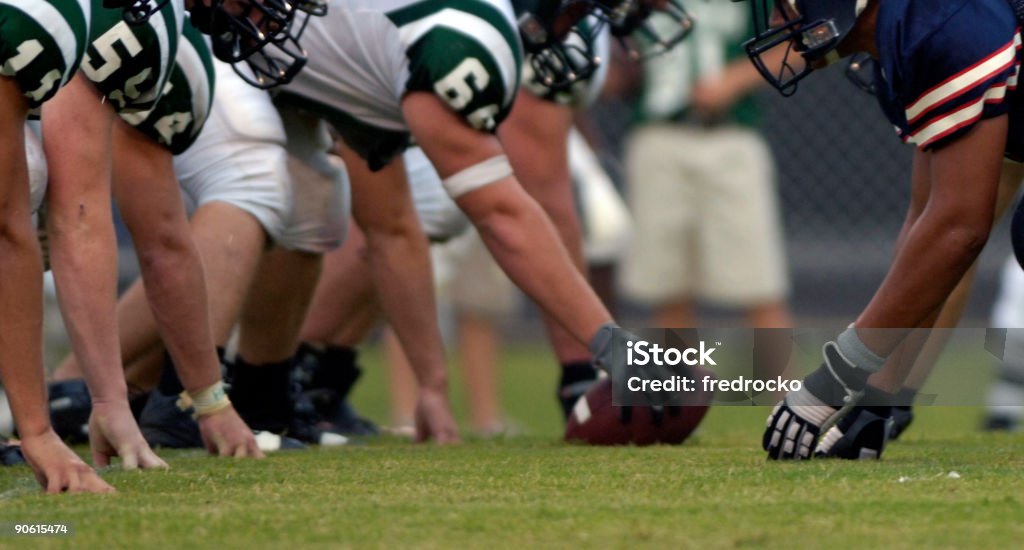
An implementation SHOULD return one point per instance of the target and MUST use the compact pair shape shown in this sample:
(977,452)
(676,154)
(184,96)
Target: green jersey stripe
(476,29)
(482,9)
(51,20)
(195,61)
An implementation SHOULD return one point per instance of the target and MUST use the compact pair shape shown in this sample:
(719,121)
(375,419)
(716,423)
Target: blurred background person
(701,182)
(1005,400)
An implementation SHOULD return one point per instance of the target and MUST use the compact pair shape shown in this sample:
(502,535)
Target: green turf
(532,490)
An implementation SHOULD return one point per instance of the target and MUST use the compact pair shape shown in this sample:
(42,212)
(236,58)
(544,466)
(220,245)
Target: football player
(250,194)
(234,171)
(235,178)
(131,82)
(1005,400)
(41,45)
(536,135)
(925,349)
(560,75)
(444,73)
(125,69)
(946,77)
(144,147)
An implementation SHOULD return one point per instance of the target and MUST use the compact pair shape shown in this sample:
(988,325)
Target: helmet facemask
(811,28)
(265,34)
(646,28)
(557,50)
(281,59)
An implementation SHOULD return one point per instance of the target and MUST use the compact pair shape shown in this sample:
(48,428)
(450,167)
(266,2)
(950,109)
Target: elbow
(963,241)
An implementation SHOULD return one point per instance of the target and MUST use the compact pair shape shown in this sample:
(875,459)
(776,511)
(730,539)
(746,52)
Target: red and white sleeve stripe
(945,94)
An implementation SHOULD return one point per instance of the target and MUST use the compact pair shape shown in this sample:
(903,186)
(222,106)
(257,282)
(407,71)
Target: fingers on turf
(55,483)
(149,459)
(254,449)
(100,459)
(75,484)
(129,458)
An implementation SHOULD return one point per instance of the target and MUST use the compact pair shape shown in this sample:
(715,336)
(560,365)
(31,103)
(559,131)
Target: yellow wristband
(209,400)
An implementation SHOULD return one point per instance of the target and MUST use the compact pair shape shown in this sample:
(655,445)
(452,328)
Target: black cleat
(345,420)
(70,406)
(902,418)
(262,394)
(1000,423)
(322,380)
(166,423)
(860,435)
(138,402)
(271,442)
(309,427)
(10,455)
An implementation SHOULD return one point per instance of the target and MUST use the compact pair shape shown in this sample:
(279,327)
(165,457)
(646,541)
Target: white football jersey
(365,55)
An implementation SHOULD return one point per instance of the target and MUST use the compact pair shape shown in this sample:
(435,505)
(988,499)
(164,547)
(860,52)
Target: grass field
(533,490)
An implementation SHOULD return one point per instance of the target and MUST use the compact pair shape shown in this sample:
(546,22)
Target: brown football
(595,421)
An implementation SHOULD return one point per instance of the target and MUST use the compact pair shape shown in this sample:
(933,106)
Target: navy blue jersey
(945,66)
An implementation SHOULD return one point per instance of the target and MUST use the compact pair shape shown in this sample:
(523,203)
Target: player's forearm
(83,247)
(177,298)
(936,254)
(83,253)
(525,244)
(24,387)
(84,259)
(138,332)
(151,205)
(400,264)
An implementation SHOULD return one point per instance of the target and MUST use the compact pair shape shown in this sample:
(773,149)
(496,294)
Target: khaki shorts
(707,222)
(471,280)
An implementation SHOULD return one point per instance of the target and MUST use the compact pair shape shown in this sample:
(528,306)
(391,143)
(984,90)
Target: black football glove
(860,435)
(826,395)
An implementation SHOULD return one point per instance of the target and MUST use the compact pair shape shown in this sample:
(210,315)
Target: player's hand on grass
(113,432)
(860,435)
(795,424)
(57,468)
(434,419)
(224,433)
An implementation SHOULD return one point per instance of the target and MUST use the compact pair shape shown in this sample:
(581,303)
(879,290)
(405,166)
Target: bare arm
(515,229)
(77,125)
(959,184)
(399,260)
(536,139)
